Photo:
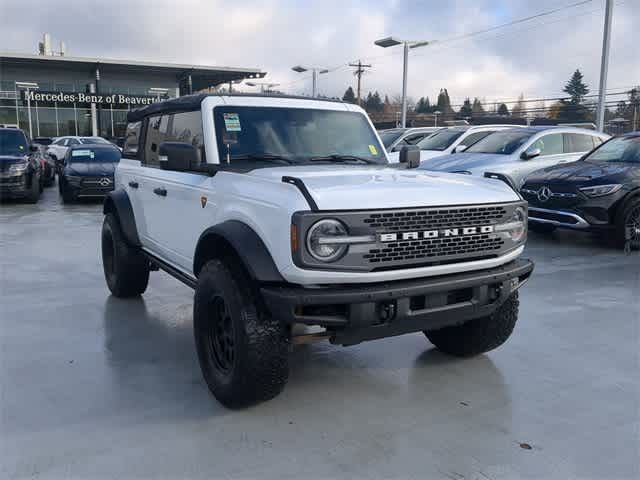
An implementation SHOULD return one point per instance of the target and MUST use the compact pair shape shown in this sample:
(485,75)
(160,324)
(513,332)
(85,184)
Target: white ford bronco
(281,211)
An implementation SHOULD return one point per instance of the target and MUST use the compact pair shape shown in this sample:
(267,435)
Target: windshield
(620,149)
(389,136)
(93,140)
(440,140)
(294,135)
(94,155)
(504,142)
(13,142)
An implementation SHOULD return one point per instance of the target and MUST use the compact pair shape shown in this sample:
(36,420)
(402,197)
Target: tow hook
(387,311)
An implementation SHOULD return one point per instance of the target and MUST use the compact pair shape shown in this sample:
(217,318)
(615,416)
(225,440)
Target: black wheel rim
(221,338)
(632,225)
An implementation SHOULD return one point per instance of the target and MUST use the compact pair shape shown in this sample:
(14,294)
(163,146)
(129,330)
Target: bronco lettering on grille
(447,232)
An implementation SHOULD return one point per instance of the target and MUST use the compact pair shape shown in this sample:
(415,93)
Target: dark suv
(599,192)
(20,168)
(87,171)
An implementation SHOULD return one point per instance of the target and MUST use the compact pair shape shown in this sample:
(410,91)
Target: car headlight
(323,240)
(600,190)
(18,168)
(516,226)
(73,180)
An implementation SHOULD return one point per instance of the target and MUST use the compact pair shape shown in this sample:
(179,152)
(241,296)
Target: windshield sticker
(82,153)
(232,122)
(373,150)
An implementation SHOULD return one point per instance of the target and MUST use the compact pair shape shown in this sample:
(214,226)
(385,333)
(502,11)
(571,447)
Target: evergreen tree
(576,88)
(477,107)
(423,105)
(349,96)
(466,109)
(503,110)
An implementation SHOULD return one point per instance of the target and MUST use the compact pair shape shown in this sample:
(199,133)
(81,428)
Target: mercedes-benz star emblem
(104,181)
(544,194)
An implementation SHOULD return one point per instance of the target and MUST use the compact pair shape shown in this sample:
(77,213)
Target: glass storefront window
(47,119)
(119,122)
(7,116)
(66,122)
(84,121)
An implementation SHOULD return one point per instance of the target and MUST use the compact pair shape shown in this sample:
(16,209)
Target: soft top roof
(192,102)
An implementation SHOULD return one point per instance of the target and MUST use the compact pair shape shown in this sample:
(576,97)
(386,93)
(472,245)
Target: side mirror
(460,149)
(178,156)
(33,147)
(410,154)
(531,153)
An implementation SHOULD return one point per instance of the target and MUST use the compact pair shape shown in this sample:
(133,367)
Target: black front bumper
(354,313)
(16,186)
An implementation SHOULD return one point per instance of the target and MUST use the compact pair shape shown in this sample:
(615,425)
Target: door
(128,174)
(577,144)
(177,205)
(551,148)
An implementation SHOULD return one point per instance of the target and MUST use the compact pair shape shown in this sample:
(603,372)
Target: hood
(91,169)
(584,172)
(429,154)
(472,162)
(339,187)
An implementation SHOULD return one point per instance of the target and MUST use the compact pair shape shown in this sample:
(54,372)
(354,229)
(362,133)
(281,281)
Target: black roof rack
(192,102)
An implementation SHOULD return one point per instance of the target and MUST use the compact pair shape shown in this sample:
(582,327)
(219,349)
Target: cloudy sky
(535,57)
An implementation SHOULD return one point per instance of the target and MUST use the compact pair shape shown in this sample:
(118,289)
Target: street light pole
(391,42)
(604,64)
(314,76)
(404,84)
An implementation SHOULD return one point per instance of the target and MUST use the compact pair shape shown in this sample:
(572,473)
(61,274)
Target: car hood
(471,162)
(583,172)
(339,187)
(91,169)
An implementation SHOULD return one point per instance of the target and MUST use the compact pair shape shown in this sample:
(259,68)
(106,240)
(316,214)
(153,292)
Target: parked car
(48,164)
(599,192)
(395,138)
(20,169)
(451,140)
(285,212)
(58,148)
(510,155)
(88,171)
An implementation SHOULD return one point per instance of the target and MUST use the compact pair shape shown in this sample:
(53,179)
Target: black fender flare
(246,244)
(633,195)
(118,202)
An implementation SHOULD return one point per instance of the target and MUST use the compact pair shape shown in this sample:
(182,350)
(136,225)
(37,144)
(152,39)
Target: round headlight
(319,240)
(519,220)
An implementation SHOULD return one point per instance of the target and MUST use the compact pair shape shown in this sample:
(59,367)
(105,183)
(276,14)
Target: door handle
(160,191)
(133,184)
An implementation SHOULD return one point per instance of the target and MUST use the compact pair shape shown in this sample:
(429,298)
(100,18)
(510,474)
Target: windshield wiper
(341,158)
(267,157)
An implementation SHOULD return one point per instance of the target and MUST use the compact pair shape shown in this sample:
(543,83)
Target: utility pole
(604,65)
(360,69)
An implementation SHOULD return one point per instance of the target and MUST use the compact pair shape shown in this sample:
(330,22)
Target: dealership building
(56,95)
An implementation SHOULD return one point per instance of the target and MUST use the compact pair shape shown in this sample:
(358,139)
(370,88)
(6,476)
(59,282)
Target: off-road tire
(479,335)
(628,213)
(243,351)
(34,190)
(541,227)
(126,269)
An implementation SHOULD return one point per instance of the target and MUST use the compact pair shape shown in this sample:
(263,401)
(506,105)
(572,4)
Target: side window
(187,128)
(576,142)
(72,142)
(60,141)
(549,144)
(156,134)
(131,140)
(597,141)
(473,138)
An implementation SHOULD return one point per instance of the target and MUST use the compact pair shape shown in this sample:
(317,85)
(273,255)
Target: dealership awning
(202,76)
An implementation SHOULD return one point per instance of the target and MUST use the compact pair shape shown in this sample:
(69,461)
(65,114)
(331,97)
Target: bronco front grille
(435,218)
(440,248)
